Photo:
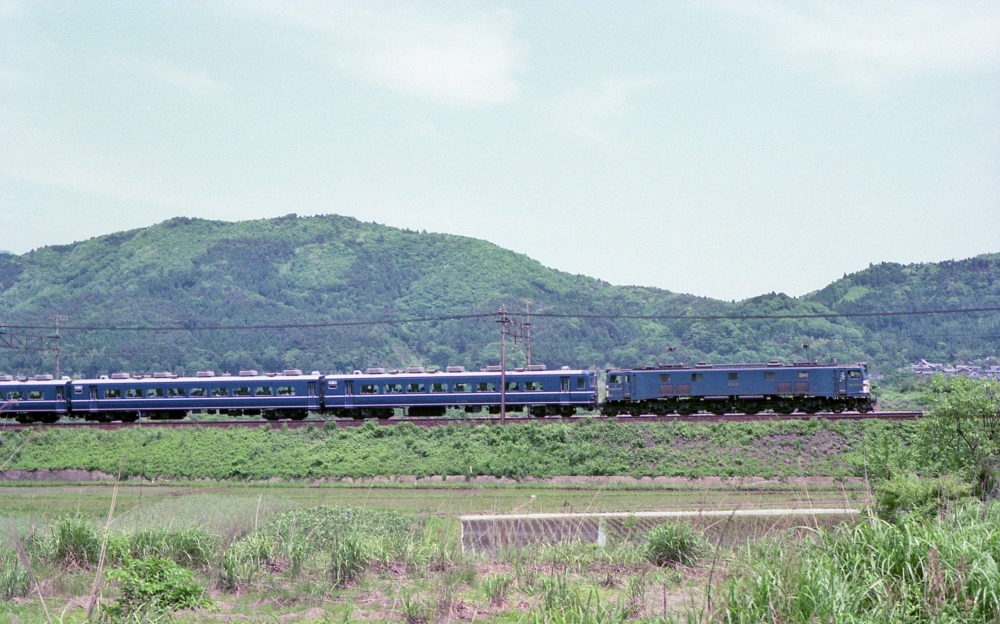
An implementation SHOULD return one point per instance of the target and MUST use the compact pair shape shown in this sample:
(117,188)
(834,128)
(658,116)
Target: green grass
(763,449)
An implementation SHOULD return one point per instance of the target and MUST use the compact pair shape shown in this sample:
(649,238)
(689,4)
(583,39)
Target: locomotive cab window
(416,388)
(803,374)
(696,376)
(768,376)
(854,374)
(369,388)
(734,376)
(615,379)
(486,386)
(286,391)
(664,378)
(113,393)
(133,393)
(264,391)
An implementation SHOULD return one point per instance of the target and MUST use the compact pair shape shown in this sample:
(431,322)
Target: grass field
(426,578)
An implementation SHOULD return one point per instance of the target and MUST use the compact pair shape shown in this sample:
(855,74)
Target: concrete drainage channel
(494,533)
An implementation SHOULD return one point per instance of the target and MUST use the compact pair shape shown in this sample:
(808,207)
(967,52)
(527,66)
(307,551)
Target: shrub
(350,556)
(917,570)
(672,543)
(923,497)
(75,542)
(154,584)
(496,588)
(14,578)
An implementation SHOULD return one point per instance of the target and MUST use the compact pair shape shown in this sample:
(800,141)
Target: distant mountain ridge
(292,270)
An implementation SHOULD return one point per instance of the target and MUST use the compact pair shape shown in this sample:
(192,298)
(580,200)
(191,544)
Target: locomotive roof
(762,365)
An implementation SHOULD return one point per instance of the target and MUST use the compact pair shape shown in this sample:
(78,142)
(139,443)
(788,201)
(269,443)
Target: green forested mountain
(194,273)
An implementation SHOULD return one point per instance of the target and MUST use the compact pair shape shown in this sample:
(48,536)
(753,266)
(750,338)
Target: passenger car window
(286,391)
(532,386)
(393,388)
(486,386)
(175,392)
(369,389)
(241,391)
(113,393)
(15,395)
(133,393)
(264,391)
(461,387)
(198,392)
(439,387)
(416,388)
(217,392)
(581,383)
(511,386)
(35,395)
(154,392)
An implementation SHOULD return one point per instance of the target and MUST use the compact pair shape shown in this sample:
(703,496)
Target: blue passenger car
(32,399)
(376,393)
(739,388)
(164,396)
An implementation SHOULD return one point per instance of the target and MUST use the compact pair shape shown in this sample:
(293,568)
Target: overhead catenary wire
(483,315)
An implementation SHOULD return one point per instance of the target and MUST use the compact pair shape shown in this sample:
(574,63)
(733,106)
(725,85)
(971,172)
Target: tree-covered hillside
(195,273)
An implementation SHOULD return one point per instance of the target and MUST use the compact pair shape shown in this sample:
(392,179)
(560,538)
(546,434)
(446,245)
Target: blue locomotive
(376,393)
(739,388)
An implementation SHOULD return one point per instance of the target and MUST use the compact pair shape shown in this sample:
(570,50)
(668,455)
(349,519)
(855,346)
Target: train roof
(454,372)
(293,374)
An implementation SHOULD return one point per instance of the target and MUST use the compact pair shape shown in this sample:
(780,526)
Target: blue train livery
(739,388)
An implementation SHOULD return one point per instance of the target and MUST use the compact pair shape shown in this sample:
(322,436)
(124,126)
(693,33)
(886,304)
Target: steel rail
(342,423)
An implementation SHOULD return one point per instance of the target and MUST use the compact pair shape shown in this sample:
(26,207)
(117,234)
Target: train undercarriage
(719,406)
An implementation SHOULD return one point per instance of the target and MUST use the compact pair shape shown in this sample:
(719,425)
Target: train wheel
(129,417)
(538,411)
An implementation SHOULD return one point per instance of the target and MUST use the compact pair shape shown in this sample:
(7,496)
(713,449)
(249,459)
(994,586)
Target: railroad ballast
(377,393)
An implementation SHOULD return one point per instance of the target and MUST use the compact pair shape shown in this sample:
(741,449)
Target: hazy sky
(718,148)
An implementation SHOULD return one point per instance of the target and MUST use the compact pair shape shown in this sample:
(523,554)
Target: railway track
(341,423)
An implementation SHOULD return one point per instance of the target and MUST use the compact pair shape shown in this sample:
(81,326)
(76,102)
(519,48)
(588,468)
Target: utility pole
(527,331)
(503,365)
(57,318)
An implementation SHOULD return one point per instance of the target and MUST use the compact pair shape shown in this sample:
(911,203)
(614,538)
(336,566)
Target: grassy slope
(812,448)
(194,272)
